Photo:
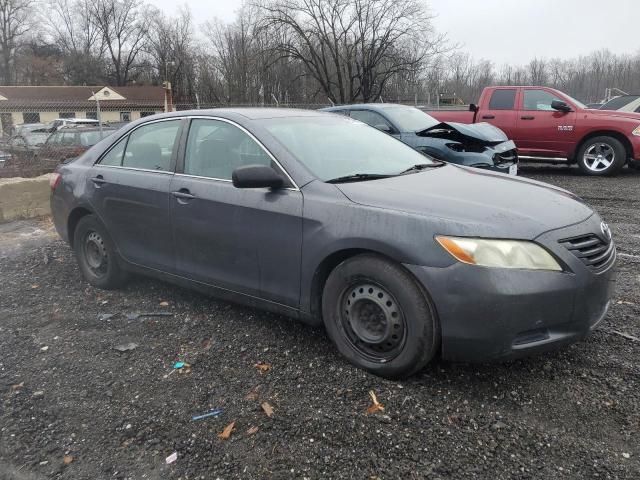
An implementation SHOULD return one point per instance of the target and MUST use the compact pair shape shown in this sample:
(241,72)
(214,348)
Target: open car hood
(476,133)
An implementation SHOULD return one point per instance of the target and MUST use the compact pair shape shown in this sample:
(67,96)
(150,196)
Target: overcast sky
(513,31)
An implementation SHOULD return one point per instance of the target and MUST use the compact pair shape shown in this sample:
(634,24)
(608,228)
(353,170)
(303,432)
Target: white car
(64,122)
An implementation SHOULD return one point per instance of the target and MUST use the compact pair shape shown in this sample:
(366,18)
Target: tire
(96,254)
(601,156)
(379,318)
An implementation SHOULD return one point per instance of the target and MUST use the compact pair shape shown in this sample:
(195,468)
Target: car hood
(468,201)
(476,132)
(615,114)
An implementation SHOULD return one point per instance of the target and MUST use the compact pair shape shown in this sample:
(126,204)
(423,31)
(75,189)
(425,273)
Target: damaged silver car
(480,145)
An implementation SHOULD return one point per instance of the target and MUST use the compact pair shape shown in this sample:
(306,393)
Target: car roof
(253,113)
(365,106)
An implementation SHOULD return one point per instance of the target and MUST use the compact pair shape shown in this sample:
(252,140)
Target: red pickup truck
(548,125)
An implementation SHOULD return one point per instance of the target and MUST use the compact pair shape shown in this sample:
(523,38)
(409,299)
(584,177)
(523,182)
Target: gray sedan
(333,222)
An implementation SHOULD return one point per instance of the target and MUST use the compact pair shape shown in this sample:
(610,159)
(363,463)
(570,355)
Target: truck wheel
(96,254)
(601,156)
(378,317)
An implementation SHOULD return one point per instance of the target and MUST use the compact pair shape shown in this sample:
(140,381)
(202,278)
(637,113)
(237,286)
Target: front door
(243,240)
(130,188)
(542,130)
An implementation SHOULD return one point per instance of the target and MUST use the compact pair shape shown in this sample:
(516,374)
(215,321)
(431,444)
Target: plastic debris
(44,349)
(171,458)
(68,459)
(125,347)
(252,431)
(212,413)
(105,316)
(178,365)
(164,304)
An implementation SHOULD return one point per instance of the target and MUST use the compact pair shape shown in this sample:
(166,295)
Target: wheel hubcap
(599,157)
(95,253)
(373,321)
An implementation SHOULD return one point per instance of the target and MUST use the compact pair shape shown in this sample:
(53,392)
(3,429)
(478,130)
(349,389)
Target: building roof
(72,98)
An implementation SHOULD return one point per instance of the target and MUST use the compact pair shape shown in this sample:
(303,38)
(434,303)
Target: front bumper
(497,314)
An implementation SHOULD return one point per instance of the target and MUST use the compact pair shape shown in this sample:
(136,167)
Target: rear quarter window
(503,99)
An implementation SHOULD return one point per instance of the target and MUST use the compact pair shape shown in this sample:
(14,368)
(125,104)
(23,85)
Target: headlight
(499,253)
(636,132)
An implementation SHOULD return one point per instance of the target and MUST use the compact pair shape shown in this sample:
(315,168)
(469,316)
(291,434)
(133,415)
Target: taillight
(54,180)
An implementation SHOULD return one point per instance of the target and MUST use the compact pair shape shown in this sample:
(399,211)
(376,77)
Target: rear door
(543,131)
(501,110)
(129,188)
(243,240)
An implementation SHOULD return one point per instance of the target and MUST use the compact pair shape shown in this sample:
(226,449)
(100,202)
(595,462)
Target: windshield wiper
(421,166)
(358,177)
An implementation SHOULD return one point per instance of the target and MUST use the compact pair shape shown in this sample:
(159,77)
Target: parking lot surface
(73,406)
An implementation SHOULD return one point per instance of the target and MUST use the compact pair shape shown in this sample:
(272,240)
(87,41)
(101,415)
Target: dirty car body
(480,145)
(330,221)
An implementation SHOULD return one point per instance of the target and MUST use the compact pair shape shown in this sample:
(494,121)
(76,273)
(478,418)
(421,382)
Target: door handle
(98,180)
(488,117)
(527,117)
(183,194)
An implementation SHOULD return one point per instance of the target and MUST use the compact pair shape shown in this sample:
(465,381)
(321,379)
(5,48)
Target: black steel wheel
(378,316)
(373,321)
(96,254)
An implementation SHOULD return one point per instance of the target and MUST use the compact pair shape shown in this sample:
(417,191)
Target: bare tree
(352,48)
(16,17)
(123,27)
(73,31)
(170,45)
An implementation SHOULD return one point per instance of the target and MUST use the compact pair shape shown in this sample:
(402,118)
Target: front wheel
(601,156)
(378,317)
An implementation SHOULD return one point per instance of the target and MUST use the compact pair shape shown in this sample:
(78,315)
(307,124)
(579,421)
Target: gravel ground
(73,407)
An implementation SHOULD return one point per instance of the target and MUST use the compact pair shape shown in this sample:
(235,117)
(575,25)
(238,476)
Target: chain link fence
(36,136)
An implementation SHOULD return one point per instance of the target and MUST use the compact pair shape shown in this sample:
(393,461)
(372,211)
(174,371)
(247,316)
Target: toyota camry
(402,258)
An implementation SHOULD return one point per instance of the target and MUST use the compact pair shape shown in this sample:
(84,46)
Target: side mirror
(560,106)
(256,176)
(473,107)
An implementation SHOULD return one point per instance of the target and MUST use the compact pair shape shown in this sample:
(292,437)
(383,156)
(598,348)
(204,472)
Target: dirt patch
(74,407)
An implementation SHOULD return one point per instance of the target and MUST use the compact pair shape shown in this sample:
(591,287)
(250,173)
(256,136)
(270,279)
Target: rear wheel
(378,317)
(96,254)
(601,156)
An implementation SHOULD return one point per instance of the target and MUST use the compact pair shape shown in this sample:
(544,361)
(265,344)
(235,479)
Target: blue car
(478,145)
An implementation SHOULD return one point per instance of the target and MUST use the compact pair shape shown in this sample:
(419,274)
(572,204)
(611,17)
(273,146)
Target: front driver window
(150,147)
(216,148)
(539,100)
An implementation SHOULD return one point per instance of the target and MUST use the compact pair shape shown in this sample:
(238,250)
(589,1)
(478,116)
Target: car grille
(595,253)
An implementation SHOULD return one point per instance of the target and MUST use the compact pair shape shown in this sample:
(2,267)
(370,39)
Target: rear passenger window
(150,147)
(114,157)
(503,99)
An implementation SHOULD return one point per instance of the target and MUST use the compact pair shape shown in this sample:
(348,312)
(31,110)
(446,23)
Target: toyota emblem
(606,231)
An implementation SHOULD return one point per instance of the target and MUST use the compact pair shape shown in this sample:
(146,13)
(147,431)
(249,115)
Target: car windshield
(577,103)
(88,139)
(410,119)
(35,138)
(333,147)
